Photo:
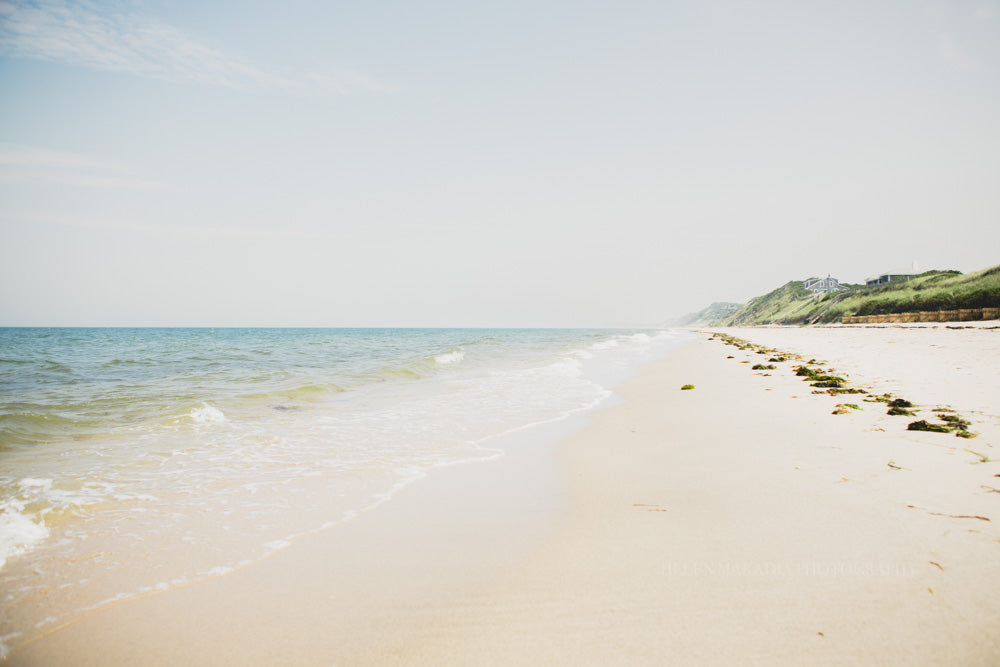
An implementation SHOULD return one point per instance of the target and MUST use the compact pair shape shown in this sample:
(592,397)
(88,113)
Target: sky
(443,163)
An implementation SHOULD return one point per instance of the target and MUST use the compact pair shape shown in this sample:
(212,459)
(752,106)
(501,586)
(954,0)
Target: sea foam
(208,414)
(450,357)
(18,532)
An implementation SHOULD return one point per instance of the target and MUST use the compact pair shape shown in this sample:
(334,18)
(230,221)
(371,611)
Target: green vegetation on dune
(708,317)
(933,290)
(777,305)
(930,291)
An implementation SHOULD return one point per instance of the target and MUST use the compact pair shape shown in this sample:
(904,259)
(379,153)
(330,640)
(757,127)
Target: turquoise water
(135,460)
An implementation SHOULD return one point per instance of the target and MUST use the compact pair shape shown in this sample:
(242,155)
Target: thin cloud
(75,32)
(32,156)
(31,165)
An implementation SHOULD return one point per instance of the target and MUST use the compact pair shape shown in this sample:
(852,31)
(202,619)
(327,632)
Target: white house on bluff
(820,285)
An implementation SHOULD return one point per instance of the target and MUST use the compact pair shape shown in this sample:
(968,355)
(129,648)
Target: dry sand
(740,523)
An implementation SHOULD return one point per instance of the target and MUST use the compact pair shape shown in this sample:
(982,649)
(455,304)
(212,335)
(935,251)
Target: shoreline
(738,522)
(194,500)
(379,567)
(510,501)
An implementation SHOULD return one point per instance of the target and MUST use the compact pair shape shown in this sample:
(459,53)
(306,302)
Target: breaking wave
(452,357)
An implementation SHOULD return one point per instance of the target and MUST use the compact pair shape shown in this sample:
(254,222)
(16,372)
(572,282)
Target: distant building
(888,277)
(819,285)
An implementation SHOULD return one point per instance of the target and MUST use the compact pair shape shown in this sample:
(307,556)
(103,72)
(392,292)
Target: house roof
(904,272)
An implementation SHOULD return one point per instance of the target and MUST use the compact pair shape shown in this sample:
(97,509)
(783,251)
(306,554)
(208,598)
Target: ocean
(137,460)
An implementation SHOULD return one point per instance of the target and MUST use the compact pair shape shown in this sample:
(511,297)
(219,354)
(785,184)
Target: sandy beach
(361,333)
(737,523)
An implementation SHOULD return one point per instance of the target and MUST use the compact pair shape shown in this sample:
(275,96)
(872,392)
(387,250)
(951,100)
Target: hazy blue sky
(423,163)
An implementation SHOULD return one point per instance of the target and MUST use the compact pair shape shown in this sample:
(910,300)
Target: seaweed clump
(818,377)
(949,424)
(836,391)
(956,422)
(762,367)
(923,425)
(898,407)
(845,408)
(826,384)
(687,387)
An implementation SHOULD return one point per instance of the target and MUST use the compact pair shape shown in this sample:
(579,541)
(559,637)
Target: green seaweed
(950,423)
(818,378)
(835,391)
(922,425)
(762,367)
(956,422)
(687,387)
(900,412)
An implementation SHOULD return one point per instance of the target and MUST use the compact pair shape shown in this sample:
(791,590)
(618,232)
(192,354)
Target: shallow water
(135,460)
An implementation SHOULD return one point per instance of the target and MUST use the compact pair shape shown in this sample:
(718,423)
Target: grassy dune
(933,290)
